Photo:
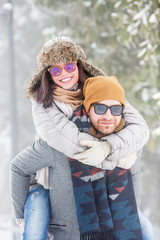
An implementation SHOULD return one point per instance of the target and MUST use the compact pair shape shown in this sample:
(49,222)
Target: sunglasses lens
(117,110)
(55,71)
(100,109)
(70,67)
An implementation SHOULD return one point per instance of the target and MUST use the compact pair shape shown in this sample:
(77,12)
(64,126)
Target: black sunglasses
(101,109)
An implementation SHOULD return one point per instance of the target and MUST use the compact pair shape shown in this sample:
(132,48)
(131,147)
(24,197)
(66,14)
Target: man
(80,205)
(104,103)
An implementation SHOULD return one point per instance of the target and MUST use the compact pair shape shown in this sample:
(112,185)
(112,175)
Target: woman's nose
(63,71)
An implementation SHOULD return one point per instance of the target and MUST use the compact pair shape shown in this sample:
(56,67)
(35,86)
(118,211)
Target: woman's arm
(63,135)
(57,130)
(38,155)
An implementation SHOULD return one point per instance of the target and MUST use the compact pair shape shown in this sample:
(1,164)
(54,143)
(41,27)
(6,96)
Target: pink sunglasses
(57,70)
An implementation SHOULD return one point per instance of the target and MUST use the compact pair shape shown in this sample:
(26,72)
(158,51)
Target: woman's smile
(65,80)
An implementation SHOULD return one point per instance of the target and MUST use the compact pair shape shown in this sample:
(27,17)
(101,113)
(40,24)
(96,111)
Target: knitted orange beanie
(102,88)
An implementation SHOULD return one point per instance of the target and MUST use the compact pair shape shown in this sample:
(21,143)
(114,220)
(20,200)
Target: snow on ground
(8,230)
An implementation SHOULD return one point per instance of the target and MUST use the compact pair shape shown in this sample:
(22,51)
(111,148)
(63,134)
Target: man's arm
(38,155)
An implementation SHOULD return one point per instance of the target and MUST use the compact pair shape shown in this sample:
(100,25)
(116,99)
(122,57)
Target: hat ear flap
(38,61)
(92,70)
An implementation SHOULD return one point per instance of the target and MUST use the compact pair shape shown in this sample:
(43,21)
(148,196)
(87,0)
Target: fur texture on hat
(61,50)
(101,88)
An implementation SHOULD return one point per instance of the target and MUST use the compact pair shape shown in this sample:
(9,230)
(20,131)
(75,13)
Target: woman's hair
(43,90)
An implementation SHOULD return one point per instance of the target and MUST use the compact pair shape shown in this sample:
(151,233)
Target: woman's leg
(146,226)
(37,214)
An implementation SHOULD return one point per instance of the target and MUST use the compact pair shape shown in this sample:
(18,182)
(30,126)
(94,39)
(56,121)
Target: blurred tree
(138,28)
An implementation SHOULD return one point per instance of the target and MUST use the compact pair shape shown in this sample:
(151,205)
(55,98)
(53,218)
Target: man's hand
(96,153)
(128,161)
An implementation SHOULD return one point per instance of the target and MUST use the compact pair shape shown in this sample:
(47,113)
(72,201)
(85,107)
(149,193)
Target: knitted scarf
(73,97)
(105,202)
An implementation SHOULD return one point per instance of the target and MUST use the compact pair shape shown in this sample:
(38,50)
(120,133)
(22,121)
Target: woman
(69,72)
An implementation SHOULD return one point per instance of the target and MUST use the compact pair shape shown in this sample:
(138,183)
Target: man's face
(107,122)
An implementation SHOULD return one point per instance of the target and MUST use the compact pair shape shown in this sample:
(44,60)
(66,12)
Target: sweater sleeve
(57,130)
(130,139)
(38,155)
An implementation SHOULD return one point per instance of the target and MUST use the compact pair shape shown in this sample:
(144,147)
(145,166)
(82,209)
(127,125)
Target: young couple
(76,180)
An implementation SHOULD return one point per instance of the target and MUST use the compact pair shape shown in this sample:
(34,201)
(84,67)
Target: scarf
(73,97)
(105,202)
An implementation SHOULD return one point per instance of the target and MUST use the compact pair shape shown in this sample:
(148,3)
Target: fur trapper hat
(101,88)
(61,50)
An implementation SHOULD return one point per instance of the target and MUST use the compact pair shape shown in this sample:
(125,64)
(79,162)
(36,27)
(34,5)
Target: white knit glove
(128,161)
(96,153)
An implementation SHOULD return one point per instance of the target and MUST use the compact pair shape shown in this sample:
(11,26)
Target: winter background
(122,37)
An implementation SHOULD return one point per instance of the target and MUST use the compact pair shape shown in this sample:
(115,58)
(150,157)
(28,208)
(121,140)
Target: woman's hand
(95,154)
(128,161)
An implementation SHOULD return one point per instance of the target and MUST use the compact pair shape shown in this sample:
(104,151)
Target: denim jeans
(37,214)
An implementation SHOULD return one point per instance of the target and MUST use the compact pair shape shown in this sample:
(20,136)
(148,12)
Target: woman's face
(65,79)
